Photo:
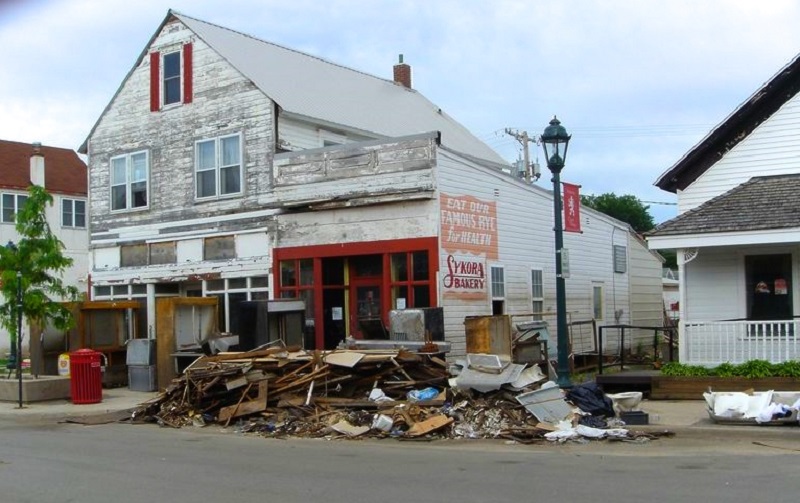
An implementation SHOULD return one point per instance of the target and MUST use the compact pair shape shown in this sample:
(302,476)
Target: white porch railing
(714,342)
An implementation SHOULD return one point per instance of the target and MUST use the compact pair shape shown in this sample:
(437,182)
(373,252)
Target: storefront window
(420,262)
(399,267)
(415,291)
(306,272)
(288,273)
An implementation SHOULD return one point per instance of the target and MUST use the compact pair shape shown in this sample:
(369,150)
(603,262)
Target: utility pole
(523,138)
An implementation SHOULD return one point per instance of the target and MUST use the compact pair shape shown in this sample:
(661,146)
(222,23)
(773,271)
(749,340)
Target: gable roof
(311,87)
(736,127)
(64,171)
(761,203)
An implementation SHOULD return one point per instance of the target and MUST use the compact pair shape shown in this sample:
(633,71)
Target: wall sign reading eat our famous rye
(469,237)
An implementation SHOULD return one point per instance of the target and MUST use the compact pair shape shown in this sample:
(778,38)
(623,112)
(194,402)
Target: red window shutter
(155,78)
(187,73)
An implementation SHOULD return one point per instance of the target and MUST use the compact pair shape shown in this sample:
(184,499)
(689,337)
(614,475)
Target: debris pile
(287,392)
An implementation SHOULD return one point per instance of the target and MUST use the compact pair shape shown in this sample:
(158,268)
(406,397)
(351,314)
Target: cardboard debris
(429,425)
(344,359)
(348,429)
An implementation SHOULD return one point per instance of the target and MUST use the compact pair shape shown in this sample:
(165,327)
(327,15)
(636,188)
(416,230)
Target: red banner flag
(572,208)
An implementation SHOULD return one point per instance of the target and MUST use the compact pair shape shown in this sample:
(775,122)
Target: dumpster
(86,376)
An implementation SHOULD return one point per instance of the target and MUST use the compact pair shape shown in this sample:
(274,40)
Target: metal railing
(669,335)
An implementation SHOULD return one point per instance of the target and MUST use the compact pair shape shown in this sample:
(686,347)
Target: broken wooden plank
(244,408)
(236,382)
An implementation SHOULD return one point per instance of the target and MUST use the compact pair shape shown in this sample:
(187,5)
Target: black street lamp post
(555,141)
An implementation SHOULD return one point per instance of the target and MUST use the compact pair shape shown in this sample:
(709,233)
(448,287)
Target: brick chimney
(402,73)
(37,165)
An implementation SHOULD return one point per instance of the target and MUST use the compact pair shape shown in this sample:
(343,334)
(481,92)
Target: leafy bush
(752,369)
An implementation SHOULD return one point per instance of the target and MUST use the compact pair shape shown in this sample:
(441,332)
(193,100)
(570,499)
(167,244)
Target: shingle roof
(733,129)
(761,203)
(313,87)
(65,172)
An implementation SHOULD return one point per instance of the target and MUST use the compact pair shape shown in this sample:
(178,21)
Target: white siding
(526,240)
(771,149)
(354,225)
(294,135)
(714,270)
(647,305)
(224,102)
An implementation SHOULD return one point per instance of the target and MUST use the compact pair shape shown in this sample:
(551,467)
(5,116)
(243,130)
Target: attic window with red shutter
(170,77)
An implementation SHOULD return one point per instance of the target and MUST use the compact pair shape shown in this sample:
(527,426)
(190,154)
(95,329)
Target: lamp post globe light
(555,141)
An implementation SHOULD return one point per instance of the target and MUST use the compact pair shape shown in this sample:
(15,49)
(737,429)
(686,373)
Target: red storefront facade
(349,288)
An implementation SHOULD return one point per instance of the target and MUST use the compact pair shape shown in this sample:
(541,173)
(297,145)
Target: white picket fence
(715,342)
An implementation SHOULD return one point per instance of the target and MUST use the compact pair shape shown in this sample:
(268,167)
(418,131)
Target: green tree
(38,257)
(626,208)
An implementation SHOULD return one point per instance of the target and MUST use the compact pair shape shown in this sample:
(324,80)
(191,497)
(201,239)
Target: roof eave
(733,129)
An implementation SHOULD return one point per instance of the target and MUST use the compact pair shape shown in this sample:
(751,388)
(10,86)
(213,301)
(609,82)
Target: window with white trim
(11,205)
(218,167)
(537,293)
(498,286)
(73,213)
(129,179)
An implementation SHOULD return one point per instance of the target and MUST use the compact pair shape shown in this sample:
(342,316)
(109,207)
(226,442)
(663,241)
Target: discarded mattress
(758,407)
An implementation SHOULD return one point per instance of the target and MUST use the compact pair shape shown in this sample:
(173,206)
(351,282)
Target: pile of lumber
(288,392)
(285,391)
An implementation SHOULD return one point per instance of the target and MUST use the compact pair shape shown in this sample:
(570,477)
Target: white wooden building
(738,231)
(63,174)
(228,166)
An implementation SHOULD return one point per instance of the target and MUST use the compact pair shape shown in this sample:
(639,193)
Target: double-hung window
(218,167)
(498,287)
(172,78)
(129,176)
(537,293)
(73,213)
(11,205)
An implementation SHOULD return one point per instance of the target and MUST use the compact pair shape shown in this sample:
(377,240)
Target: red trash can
(86,376)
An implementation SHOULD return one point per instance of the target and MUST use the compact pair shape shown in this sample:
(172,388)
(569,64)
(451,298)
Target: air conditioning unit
(411,324)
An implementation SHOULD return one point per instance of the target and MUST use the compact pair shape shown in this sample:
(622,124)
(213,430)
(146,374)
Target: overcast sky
(636,83)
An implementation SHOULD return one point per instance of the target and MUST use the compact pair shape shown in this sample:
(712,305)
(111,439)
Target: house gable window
(218,167)
(73,213)
(129,179)
(11,205)
(170,77)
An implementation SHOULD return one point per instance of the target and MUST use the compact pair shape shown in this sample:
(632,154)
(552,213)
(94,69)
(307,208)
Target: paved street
(41,461)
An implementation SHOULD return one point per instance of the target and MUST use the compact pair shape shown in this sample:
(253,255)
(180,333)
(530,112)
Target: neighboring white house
(738,231)
(228,166)
(63,174)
